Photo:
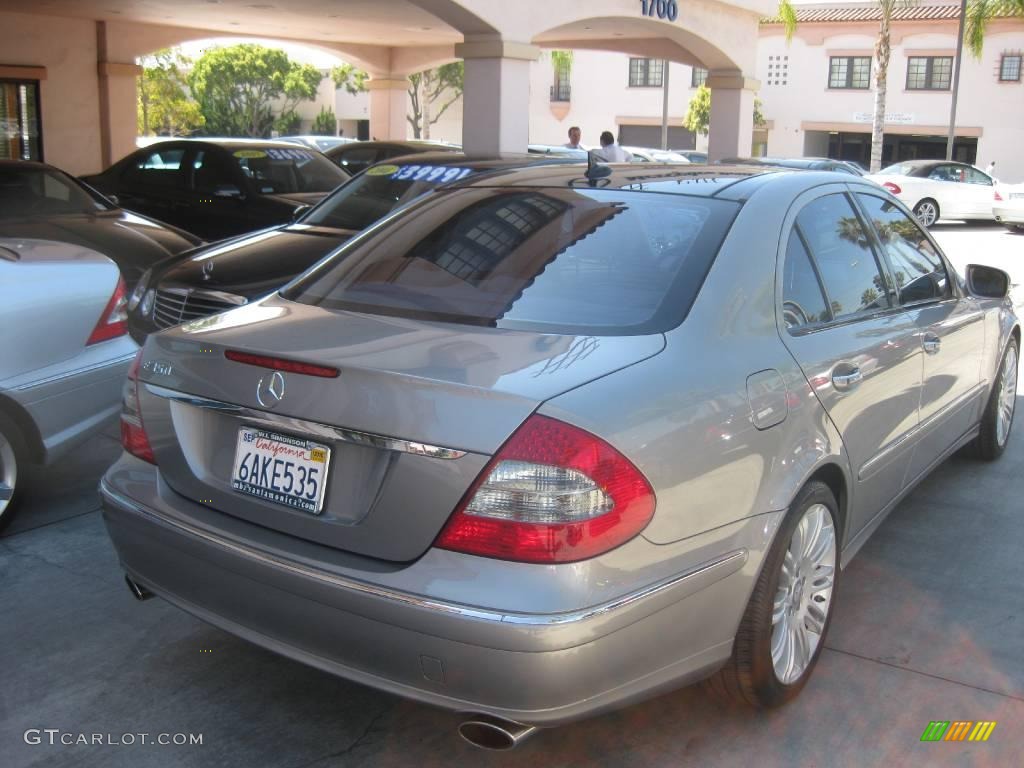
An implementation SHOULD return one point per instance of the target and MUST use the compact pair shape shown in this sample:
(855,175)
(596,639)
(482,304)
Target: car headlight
(139,290)
(146,308)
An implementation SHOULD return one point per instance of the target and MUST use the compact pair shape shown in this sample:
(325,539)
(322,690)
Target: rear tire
(927,212)
(786,621)
(12,463)
(997,421)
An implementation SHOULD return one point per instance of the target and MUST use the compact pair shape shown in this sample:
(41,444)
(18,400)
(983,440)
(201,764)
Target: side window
(358,158)
(842,250)
(212,171)
(917,268)
(803,303)
(974,176)
(946,173)
(161,168)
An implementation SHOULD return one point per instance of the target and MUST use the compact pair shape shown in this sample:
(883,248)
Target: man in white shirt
(574,138)
(610,152)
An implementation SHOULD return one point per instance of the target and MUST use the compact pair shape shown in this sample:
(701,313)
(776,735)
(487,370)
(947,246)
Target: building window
(929,73)
(1009,68)
(560,91)
(849,72)
(645,73)
(698,77)
(20,137)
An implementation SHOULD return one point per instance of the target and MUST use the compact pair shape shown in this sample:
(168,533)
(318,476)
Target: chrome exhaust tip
(494,733)
(138,591)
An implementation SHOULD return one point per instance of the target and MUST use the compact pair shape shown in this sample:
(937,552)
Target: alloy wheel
(927,213)
(803,598)
(1007,396)
(8,473)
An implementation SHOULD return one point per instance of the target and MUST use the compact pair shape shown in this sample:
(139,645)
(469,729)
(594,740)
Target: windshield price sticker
(250,154)
(663,9)
(438,174)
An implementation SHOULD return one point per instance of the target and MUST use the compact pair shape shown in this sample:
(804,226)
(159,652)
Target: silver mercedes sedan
(543,444)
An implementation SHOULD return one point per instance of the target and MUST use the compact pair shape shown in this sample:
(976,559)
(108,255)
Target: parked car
(217,188)
(556,149)
(42,202)
(1008,208)
(229,274)
(554,440)
(66,351)
(319,143)
(935,189)
(646,155)
(803,163)
(361,155)
(693,155)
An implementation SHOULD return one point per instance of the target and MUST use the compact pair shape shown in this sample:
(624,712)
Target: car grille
(176,305)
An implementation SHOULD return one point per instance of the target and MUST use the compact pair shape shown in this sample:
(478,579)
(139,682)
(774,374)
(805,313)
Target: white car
(1008,207)
(646,155)
(939,189)
(65,353)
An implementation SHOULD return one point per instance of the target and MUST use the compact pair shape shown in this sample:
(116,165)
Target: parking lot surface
(929,625)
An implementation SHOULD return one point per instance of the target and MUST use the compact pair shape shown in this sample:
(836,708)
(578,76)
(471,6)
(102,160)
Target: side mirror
(228,191)
(987,282)
(300,211)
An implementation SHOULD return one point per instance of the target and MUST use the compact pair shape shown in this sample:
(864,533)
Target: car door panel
(863,358)
(950,328)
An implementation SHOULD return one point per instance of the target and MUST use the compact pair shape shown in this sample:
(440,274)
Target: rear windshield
(898,169)
(374,194)
(275,171)
(32,191)
(582,261)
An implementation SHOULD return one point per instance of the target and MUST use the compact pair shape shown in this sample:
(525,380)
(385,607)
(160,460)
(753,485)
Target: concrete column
(117,101)
(389,100)
(496,96)
(732,115)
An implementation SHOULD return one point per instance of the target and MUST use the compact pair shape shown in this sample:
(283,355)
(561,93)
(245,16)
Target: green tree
(698,114)
(979,13)
(164,105)
(443,84)
(236,87)
(351,79)
(325,124)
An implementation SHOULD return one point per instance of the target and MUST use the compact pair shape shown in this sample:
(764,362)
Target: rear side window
(803,303)
(917,268)
(842,250)
(555,260)
(161,168)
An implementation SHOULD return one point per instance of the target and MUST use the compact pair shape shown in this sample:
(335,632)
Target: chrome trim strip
(77,372)
(728,563)
(367,439)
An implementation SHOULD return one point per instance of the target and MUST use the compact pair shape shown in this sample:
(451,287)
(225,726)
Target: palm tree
(979,12)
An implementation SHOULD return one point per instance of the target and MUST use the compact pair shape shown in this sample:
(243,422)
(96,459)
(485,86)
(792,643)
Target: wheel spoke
(6,492)
(803,651)
(822,581)
(815,621)
(780,636)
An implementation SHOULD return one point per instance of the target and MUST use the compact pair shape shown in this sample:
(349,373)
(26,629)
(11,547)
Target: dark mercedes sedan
(229,274)
(40,202)
(217,188)
(357,156)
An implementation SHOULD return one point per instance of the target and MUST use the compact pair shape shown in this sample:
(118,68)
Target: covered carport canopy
(390,39)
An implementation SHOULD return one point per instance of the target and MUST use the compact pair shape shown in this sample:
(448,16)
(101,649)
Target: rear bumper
(542,669)
(1008,215)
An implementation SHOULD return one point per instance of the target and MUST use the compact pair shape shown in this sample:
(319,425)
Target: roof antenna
(595,170)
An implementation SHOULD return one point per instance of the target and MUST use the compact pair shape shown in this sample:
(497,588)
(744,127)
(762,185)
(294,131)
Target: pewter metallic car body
(726,414)
(56,388)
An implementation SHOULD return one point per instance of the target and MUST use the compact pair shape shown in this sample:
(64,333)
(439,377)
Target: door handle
(848,380)
(931,343)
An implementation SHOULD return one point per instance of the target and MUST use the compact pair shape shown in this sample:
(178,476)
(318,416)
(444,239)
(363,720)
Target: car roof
(27,164)
(459,159)
(675,178)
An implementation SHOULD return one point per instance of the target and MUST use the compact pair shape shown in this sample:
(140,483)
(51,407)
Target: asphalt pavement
(929,625)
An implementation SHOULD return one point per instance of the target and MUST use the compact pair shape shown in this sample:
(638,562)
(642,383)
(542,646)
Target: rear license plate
(285,470)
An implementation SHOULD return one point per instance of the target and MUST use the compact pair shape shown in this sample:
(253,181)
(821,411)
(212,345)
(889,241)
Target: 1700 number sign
(663,9)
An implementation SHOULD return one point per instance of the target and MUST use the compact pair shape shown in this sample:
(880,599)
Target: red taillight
(552,494)
(894,188)
(279,364)
(114,320)
(996,196)
(133,433)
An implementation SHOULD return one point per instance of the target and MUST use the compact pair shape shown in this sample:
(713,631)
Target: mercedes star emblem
(270,390)
(207,270)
